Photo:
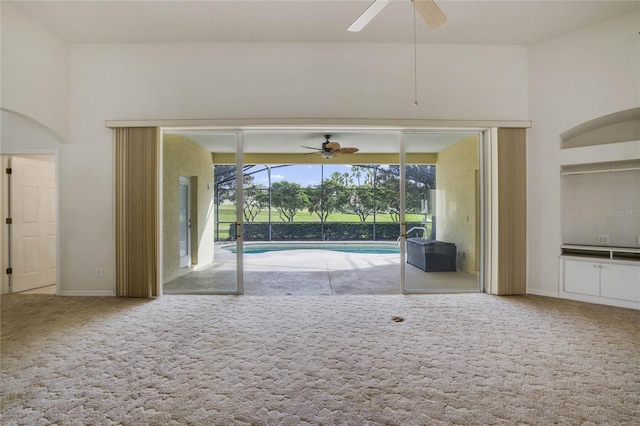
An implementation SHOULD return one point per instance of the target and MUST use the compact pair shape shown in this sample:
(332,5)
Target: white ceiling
(313,21)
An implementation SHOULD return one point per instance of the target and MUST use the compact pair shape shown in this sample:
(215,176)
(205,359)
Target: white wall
(157,81)
(35,71)
(560,83)
(294,81)
(110,82)
(573,78)
(590,208)
(34,86)
(85,207)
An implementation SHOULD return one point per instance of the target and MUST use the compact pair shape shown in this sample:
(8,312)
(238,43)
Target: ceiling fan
(428,9)
(330,148)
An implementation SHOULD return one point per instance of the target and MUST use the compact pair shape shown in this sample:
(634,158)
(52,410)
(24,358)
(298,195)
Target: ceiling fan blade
(308,147)
(346,150)
(332,145)
(431,13)
(367,15)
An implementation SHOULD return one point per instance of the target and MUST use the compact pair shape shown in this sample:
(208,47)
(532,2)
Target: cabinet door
(582,277)
(620,281)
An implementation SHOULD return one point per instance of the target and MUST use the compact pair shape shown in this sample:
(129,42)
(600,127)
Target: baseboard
(546,293)
(629,304)
(101,293)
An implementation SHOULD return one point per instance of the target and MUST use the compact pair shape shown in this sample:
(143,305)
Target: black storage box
(431,255)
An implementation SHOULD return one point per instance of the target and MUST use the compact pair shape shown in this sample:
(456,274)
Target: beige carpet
(332,360)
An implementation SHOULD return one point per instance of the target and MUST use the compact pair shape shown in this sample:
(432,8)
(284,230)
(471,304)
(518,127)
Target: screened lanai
(300,223)
(324,202)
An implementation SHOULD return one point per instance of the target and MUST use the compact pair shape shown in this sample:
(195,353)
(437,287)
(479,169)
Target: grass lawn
(227,215)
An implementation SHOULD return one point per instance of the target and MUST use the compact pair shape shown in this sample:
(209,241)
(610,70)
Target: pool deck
(316,272)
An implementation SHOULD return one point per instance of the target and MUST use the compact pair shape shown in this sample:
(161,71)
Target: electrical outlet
(98,272)
(602,239)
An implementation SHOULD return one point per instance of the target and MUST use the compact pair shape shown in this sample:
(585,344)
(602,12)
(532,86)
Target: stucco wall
(456,172)
(182,157)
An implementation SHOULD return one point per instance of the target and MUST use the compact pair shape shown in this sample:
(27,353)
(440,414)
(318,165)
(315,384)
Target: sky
(304,174)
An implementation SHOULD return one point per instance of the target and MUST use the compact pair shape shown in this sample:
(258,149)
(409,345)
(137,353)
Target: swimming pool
(344,247)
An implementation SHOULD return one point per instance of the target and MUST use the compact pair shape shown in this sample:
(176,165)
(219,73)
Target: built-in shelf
(620,126)
(601,167)
(601,252)
(609,148)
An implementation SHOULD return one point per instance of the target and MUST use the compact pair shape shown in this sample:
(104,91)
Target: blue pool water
(345,247)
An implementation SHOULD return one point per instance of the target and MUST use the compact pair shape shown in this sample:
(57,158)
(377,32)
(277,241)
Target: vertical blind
(137,239)
(512,211)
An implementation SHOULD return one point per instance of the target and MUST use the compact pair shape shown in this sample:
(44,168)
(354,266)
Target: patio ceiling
(292,141)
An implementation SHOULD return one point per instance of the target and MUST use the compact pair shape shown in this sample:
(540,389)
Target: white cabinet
(620,281)
(582,277)
(601,280)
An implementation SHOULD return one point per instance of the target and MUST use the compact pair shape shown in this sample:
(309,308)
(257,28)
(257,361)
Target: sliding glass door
(202,213)
(441,213)
(419,189)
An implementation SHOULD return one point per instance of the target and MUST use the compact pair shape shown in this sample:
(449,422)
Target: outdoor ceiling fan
(330,148)
(428,9)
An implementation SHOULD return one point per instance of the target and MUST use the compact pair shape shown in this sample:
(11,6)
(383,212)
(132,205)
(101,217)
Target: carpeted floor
(332,360)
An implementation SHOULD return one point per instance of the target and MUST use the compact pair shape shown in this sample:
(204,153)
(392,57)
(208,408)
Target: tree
(362,199)
(318,202)
(288,198)
(356,174)
(388,195)
(420,180)
(254,200)
(224,181)
(362,202)
(425,175)
(343,179)
(330,197)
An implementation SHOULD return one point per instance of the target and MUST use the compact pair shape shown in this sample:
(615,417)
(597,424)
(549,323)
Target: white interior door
(32,208)
(184,222)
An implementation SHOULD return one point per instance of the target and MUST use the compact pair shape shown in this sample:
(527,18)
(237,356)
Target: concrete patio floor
(316,272)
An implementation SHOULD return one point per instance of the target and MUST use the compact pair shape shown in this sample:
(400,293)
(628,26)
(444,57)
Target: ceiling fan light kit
(330,148)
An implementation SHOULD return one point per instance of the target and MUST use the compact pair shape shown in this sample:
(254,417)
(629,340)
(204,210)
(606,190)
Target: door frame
(4,257)
(239,147)
(487,129)
(485,209)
